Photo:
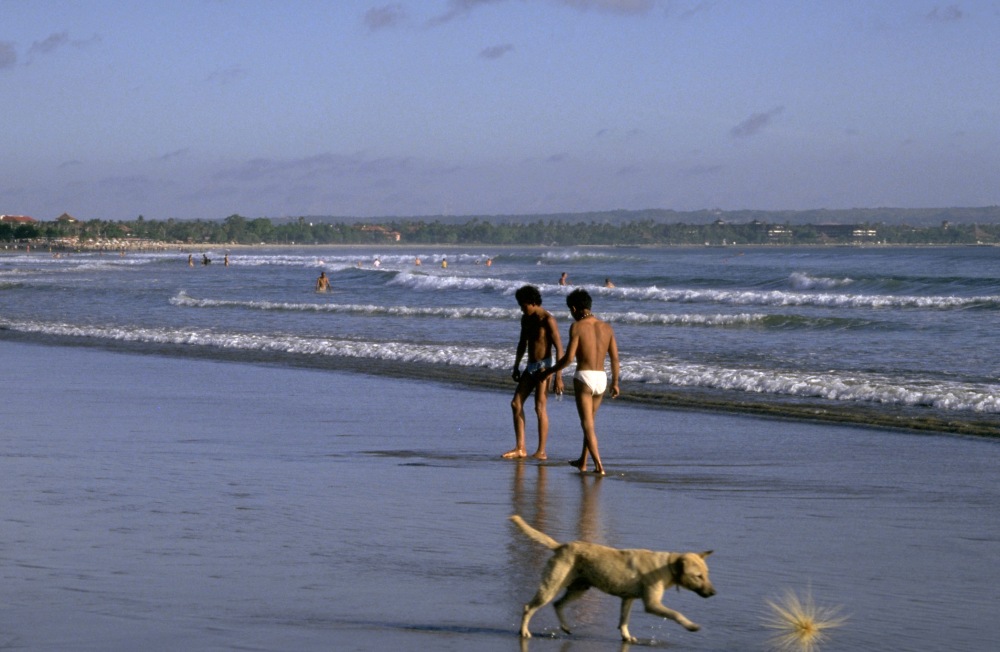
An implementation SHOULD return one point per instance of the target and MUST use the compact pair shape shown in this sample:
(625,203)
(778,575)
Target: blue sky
(206,108)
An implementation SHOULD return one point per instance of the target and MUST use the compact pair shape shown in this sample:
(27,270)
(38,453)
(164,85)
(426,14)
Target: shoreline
(901,419)
(116,246)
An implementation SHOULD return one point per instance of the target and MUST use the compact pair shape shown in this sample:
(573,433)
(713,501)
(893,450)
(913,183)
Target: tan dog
(627,574)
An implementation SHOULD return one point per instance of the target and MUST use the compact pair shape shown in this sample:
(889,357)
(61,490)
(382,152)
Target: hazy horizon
(203,109)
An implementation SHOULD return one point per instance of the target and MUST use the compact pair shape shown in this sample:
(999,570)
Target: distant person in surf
(608,283)
(590,341)
(539,336)
(563,280)
(323,282)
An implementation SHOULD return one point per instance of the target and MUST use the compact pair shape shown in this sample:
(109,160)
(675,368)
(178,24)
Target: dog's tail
(535,535)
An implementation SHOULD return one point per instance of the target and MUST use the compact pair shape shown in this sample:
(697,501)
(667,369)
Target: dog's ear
(705,554)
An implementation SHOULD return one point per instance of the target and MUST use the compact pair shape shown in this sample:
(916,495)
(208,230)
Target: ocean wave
(768,298)
(828,300)
(513,314)
(833,386)
(184,300)
(803,281)
(460,355)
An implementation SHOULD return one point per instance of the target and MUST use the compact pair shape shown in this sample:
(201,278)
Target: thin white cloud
(227,75)
(495,51)
(177,153)
(611,6)
(945,14)
(8,55)
(385,17)
(48,45)
(755,123)
(462,8)
(57,41)
(698,8)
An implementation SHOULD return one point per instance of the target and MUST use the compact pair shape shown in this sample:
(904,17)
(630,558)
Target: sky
(364,108)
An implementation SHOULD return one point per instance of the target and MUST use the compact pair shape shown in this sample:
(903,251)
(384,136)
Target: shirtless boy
(539,335)
(322,283)
(590,340)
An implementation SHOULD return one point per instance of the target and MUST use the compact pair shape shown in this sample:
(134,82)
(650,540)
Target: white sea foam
(952,396)
(825,299)
(184,300)
(803,281)
(776,298)
(834,386)
(637,318)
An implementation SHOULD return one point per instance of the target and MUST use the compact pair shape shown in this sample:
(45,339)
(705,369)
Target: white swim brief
(597,381)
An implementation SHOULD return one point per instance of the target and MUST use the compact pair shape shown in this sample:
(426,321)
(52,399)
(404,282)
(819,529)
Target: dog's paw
(525,633)
(691,627)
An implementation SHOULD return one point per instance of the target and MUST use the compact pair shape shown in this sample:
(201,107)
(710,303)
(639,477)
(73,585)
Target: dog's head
(691,572)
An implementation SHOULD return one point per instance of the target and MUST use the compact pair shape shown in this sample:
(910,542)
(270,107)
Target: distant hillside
(891,216)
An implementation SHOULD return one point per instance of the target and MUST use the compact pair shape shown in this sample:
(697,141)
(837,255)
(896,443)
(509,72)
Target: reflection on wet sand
(532,503)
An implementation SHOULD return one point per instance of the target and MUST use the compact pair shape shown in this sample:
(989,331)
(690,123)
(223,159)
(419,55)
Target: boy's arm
(557,341)
(613,354)
(563,362)
(522,347)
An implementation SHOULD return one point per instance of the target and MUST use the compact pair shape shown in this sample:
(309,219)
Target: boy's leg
(524,387)
(541,403)
(595,404)
(586,407)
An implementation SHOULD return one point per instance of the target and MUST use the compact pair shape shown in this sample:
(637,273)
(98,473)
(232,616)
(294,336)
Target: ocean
(219,458)
(885,336)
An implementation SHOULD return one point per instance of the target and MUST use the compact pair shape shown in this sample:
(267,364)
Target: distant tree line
(237,229)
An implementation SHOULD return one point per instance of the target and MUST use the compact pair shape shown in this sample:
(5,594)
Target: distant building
(18,219)
(392,235)
(66,218)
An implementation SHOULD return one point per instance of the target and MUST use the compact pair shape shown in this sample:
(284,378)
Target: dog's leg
(623,621)
(651,601)
(574,592)
(555,578)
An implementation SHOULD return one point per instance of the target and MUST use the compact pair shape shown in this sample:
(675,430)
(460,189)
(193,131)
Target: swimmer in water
(322,283)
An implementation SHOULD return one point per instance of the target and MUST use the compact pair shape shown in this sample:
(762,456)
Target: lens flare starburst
(801,625)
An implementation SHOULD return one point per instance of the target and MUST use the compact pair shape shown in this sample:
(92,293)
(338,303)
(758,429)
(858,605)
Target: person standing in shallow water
(323,282)
(539,336)
(590,341)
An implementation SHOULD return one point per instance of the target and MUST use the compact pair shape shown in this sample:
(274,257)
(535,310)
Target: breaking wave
(840,387)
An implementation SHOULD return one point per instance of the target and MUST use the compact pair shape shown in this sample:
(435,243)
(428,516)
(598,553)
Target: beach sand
(160,503)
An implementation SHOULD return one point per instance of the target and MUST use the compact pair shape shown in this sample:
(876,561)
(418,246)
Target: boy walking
(590,341)
(539,335)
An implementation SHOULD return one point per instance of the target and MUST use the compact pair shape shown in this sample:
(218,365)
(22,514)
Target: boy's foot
(578,464)
(540,456)
(514,454)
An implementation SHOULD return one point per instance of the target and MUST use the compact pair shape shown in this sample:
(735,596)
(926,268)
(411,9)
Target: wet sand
(160,503)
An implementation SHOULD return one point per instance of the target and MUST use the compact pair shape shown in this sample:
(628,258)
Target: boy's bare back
(538,331)
(595,339)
